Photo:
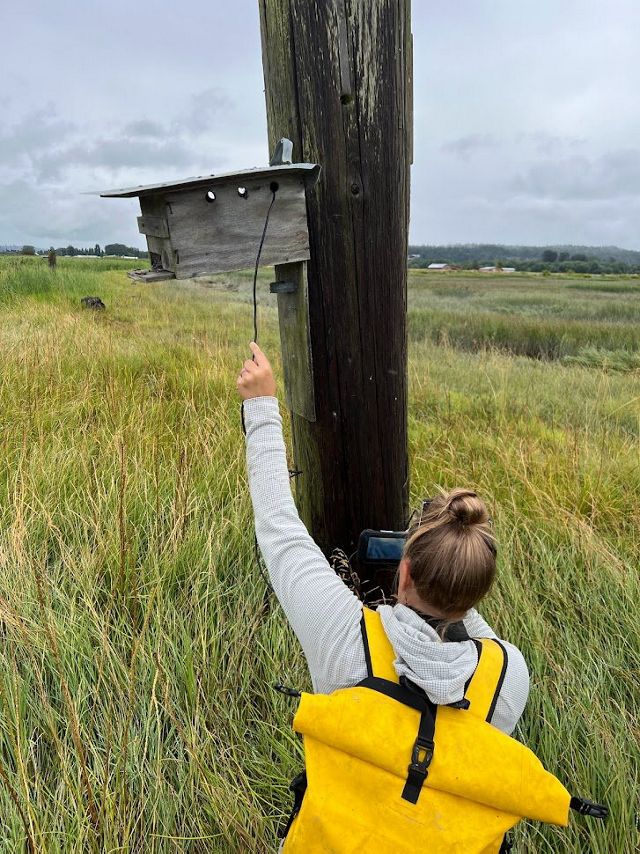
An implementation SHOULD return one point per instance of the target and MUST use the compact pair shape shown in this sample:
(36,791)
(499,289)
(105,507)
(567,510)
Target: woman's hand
(256,377)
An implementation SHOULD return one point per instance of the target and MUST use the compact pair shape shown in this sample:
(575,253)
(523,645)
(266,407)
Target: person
(448,566)
(406,737)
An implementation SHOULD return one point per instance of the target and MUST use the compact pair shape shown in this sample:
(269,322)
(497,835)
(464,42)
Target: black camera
(378,549)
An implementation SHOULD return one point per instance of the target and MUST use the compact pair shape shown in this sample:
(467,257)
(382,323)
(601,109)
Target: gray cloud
(47,161)
(522,133)
(206,109)
(548,143)
(611,176)
(36,131)
(49,218)
(466,147)
(115,155)
(145,128)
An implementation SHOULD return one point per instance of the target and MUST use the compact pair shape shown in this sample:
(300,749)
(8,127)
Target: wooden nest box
(214,223)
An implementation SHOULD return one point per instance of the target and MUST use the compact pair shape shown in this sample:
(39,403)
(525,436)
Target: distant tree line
(97,250)
(109,249)
(535,259)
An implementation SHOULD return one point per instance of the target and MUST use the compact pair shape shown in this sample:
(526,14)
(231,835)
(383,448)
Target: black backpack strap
(503,673)
(423,748)
(484,686)
(400,693)
(365,644)
(421,756)
(404,692)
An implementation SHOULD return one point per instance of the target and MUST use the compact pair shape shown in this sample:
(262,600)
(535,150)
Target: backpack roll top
(471,759)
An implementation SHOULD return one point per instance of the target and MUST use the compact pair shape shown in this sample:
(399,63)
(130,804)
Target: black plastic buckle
(421,757)
(420,766)
(288,692)
(585,807)
(460,704)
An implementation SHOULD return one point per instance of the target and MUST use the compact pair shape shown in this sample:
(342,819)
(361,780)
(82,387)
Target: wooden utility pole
(338,84)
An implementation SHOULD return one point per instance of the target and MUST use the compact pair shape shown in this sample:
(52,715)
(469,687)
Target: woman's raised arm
(324,614)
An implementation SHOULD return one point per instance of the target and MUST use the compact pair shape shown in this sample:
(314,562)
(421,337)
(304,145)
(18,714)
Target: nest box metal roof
(309,173)
(214,223)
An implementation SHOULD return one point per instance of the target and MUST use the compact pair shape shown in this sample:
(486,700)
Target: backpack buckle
(418,770)
(420,764)
(288,692)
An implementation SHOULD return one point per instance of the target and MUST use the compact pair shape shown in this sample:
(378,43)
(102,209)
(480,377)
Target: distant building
(439,267)
(497,269)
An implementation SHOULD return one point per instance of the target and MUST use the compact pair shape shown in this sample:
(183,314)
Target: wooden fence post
(338,77)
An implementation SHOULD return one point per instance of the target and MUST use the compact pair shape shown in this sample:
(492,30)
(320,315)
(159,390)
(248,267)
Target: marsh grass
(138,641)
(538,317)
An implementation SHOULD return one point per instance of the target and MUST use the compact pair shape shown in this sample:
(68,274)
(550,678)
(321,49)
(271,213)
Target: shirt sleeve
(322,611)
(477,626)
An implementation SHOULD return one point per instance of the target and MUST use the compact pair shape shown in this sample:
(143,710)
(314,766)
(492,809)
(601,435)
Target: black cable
(258,556)
(255,271)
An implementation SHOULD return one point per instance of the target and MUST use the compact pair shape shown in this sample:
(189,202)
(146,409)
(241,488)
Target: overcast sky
(527,119)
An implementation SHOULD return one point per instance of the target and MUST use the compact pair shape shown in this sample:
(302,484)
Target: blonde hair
(452,552)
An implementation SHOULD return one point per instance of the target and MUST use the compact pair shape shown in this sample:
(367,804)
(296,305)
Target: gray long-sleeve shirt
(323,612)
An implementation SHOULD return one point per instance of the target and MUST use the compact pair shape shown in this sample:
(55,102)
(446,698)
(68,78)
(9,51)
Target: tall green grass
(138,640)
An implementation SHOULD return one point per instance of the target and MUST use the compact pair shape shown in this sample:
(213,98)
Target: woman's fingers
(258,355)
(256,376)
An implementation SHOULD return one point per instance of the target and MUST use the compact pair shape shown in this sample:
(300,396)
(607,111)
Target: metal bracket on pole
(283,287)
(283,153)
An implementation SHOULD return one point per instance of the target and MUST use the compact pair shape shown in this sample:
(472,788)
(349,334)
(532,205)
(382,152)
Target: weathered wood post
(338,79)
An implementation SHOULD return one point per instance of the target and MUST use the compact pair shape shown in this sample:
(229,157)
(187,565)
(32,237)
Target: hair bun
(466,508)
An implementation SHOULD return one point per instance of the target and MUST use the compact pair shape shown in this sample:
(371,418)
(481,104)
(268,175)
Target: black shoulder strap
(484,686)
(503,672)
(365,644)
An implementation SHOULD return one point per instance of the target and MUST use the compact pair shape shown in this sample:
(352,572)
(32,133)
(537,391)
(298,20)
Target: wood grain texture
(154,226)
(224,235)
(354,456)
(154,208)
(295,340)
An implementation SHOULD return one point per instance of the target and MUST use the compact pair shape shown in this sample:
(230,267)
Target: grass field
(138,646)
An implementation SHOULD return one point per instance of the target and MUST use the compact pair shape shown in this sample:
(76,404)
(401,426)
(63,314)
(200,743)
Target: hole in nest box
(211,196)
(243,192)
(274,186)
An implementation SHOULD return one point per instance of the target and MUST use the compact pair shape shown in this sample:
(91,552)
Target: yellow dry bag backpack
(388,772)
